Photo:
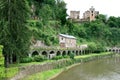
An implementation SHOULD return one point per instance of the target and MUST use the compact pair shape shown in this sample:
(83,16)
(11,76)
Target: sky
(106,7)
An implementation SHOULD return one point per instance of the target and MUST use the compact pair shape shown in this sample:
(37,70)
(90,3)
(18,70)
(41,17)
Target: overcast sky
(107,7)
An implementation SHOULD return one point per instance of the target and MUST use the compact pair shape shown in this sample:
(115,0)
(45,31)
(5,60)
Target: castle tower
(90,14)
(75,15)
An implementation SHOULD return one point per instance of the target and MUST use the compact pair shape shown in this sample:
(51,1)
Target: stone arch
(52,52)
(58,53)
(116,51)
(34,53)
(80,52)
(44,53)
(63,53)
(77,52)
(69,52)
(109,50)
(113,50)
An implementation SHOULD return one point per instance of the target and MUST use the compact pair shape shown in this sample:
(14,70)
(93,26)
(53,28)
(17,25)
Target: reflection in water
(105,69)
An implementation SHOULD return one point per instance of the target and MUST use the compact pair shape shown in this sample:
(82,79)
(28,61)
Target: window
(92,11)
(62,38)
(92,14)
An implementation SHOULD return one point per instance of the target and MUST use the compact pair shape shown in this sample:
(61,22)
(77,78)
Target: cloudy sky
(107,7)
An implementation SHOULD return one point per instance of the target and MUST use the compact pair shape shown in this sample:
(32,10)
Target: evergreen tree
(14,34)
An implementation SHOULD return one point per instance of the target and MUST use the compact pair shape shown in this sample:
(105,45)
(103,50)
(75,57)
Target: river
(103,69)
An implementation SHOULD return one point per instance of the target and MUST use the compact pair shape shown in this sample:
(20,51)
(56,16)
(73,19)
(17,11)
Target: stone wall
(32,69)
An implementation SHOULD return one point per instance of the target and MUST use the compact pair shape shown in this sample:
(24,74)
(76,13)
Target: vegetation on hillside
(22,22)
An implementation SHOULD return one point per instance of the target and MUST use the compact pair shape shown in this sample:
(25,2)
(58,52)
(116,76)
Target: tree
(61,11)
(14,35)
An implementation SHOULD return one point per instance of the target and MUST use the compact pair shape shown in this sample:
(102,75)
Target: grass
(31,63)
(8,72)
(43,75)
(92,55)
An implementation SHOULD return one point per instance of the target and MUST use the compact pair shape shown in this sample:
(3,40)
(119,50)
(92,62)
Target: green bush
(26,60)
(57,57)
(66,56)
(72,55)
(39,58)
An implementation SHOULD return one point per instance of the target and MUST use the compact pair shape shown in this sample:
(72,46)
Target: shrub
(57,57)
(66,56)
(72,55)
(39,58)
(26,60)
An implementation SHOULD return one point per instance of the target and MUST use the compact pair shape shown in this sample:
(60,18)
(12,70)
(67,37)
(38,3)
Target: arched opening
(77,53)
(113,50)
(35,53)
(52,52)
(69,52)
(44,53)
(64,53)
(58,53)
(109,50)
(80,52)
(116,51)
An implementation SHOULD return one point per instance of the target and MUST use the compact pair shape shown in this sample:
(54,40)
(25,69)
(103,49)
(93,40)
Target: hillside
(51,20)
(96,32)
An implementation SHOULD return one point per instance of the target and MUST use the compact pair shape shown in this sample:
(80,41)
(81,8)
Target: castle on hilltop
(88,15)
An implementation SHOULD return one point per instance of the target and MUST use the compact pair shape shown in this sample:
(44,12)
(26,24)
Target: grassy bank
(48,74)
(44,75)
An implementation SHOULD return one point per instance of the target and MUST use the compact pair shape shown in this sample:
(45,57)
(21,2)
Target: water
(104,69)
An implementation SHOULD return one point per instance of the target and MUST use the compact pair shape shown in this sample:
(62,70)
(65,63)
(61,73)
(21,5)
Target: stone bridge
(114,49)
(49,52)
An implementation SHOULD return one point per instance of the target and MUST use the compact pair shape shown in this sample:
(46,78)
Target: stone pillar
(30,54)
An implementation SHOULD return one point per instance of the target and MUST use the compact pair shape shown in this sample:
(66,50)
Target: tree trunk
(11,58)
(6,61)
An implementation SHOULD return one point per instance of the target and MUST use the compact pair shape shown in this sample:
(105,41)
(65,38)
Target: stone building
(90,14)
(67,41)
(74,15)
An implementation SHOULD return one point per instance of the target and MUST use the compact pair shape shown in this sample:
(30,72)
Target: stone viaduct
(49,52)
(114,49)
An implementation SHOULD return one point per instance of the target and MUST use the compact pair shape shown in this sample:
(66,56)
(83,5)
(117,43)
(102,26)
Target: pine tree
(14,33)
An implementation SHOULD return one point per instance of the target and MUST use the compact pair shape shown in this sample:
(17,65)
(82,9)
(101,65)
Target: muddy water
(105,69)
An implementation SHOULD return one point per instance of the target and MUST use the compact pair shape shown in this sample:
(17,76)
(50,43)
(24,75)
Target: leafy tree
(112,21)
(61,11)
(101,18)
(14,35)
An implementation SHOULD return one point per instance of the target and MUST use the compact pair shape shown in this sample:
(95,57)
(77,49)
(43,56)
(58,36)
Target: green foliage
(57,57)
(26,60)
(65,56)
(14,33)
(1,56)
(60,57)
(72,55)
(39,58)
(8,72)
